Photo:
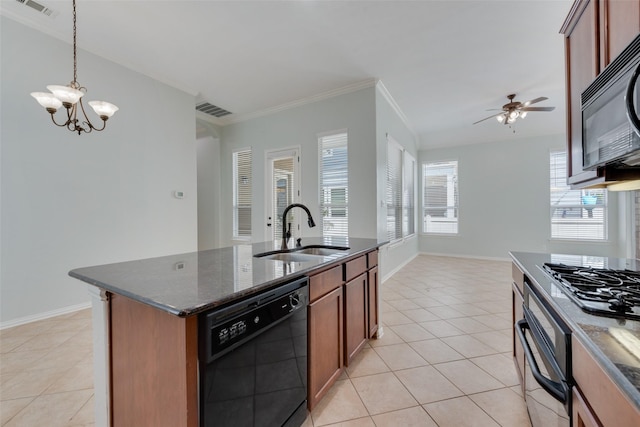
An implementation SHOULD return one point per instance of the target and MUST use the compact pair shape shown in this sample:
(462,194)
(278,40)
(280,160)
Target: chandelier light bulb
(500,118)
(47,100)
(66,94)
(523,114)
(513,115)
(103,109)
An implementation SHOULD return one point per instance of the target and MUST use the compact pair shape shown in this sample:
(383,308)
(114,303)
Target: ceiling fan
(514,109)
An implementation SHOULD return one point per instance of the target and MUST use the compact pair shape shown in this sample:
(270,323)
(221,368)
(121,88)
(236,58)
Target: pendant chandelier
(70,97)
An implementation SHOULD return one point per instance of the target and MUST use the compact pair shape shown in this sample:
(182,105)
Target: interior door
(282,188)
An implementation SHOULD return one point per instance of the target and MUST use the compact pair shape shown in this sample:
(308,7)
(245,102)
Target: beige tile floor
(444,359)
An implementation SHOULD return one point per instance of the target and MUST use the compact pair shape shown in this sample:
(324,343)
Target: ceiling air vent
(212,110)
(39,7)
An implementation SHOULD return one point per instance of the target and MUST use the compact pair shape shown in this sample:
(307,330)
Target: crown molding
(236,118)
(218,121)
(396,108)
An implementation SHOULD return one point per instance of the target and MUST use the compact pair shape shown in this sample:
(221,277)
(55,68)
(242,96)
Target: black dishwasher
(253,360)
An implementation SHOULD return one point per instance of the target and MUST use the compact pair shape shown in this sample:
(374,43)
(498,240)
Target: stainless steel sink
(304,253)
(291,257)
(321,251)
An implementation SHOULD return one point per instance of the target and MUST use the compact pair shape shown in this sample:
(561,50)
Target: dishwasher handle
(558,390)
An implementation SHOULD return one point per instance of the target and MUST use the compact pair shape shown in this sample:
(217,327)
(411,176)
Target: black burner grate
(619,290)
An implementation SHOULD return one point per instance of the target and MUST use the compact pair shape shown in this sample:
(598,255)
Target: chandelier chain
(75,62)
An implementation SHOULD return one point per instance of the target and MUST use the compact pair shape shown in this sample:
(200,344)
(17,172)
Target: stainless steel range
(601,291)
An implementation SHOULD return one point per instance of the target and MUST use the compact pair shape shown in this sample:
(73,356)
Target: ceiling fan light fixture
(523,114)
(500,118)
(513,115)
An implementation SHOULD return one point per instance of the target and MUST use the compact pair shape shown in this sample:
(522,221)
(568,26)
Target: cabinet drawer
(372,259)
(325,282)
(355,267)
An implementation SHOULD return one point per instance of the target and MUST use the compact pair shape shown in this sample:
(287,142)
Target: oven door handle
(558,390)
(631,109)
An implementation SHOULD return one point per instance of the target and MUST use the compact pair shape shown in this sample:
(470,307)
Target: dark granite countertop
(190,283)
(595,332)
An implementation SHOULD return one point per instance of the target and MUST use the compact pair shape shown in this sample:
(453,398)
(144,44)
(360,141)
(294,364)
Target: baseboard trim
(46,315)
(398,268)
(484,258)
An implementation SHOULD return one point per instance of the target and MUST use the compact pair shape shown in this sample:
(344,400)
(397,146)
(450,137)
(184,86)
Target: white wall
(69,201)
(504,202)
(300,126)
(208,153)
(388,122)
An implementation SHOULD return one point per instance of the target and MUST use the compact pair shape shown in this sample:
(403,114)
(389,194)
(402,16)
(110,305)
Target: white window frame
(584,218)
(235,205)
(342,232)
(456,202)
(401,198)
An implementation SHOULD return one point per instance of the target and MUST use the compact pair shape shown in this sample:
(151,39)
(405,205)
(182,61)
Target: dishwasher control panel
(230,326)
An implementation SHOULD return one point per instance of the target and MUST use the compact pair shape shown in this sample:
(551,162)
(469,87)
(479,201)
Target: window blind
(242,194)
(408,195)
(334,184)
(440,197)
(575,214)
(394,190)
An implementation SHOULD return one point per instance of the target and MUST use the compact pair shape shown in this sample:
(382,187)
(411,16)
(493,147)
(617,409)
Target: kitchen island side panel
(153,366)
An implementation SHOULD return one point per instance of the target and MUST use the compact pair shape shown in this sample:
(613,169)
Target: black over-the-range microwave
(610,123)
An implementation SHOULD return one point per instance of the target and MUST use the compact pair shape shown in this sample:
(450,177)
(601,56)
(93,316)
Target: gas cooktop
(601,291)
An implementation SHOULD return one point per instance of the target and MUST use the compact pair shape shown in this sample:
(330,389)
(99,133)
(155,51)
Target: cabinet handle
(631,109)
(559,391)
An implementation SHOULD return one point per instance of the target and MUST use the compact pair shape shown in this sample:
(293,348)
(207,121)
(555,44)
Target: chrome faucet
(286,234)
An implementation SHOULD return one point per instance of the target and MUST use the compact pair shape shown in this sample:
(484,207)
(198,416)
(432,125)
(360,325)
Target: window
(440,197)
(242,195)
(334,185)
(400,192)
(408,195)
(575,214)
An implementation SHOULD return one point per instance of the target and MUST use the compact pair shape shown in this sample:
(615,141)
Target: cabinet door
(582,415)
(581,50)
(325,344)
(619,25)
(356,319)
(373,302)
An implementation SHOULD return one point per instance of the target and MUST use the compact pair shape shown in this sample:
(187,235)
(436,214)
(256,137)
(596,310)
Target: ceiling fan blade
(533,101)
(487,118)
(537,108)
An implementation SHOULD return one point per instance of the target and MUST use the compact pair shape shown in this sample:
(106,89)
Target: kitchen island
(146,319)
(605,381)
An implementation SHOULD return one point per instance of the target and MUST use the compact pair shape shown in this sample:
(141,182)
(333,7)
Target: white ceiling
(444,62)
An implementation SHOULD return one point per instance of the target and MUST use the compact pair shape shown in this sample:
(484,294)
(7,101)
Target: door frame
(269,156)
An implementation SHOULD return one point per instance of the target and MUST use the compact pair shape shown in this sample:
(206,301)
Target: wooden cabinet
(356,318)
(343,314)
(372,284)
(595,31)
(325,332)
(582,414)
(597,400)
(154,366)
(619,23)
(325,344)
(582,66)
